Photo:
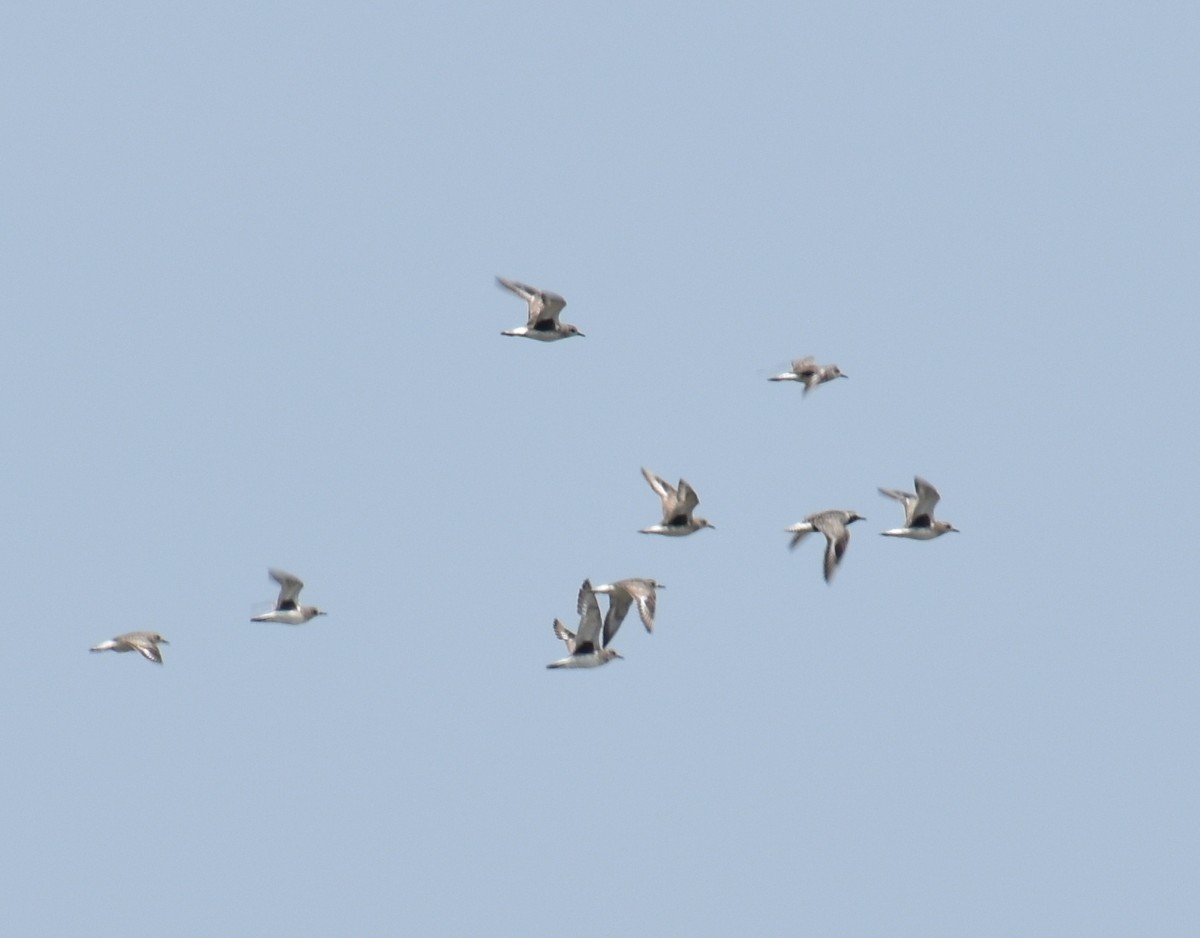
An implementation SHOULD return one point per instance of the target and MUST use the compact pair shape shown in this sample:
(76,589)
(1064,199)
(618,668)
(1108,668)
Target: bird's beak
(843,375)
(164,641)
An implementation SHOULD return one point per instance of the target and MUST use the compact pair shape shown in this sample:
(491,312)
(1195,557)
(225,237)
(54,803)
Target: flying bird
(807,371)
(544,308)
(918,513)
(144,643)
(678,503)
(288,610)
(834,525)
(621,595)
(583,648)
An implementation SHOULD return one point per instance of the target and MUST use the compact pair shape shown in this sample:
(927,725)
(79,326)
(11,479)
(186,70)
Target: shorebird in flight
(918,513)
(144,643)
(287,607)
(807,370)
(583,648)
(678,503)
(544,308)
(621,595)
(834,525)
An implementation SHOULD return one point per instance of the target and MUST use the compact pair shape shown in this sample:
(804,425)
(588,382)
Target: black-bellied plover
(144,643)
(833,524)
(918,513)
(287,609)
(544,308)
(624,593)
(810,373)
(678,503)
(583,648)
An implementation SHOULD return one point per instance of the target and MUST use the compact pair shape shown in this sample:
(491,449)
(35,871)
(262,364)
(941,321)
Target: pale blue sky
(250,320)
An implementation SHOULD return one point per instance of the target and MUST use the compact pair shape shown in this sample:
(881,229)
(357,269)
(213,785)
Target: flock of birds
(287,611)
(590,646)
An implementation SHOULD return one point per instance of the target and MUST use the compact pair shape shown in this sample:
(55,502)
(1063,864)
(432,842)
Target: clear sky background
(249,320)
